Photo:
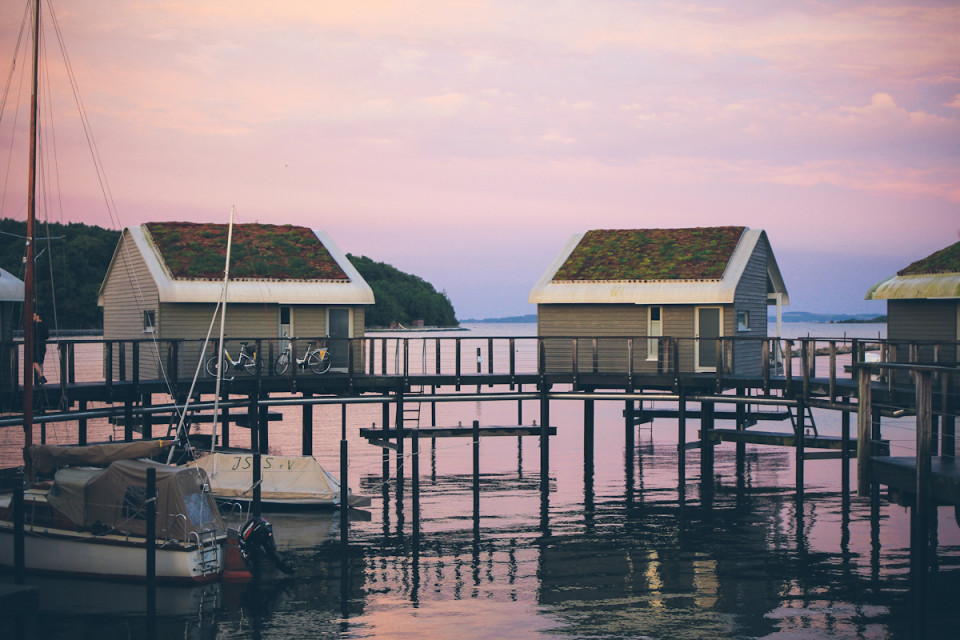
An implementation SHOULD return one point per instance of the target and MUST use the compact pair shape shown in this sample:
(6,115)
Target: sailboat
(90,519)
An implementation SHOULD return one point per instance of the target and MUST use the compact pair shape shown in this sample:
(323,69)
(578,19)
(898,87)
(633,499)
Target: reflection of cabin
(686,284)
(923,305)
(165,278)
(11,297)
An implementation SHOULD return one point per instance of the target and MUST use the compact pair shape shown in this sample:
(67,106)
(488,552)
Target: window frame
(149,320)
(654,333)
(743,320)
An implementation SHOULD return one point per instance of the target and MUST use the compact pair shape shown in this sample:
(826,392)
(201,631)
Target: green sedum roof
(197,251)
(943,261)
(651,254)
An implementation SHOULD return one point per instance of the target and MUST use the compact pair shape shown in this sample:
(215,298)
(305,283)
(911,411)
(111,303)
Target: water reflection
(634,541)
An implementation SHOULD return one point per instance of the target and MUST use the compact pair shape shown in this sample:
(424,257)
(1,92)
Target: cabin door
(338,330)
(709,322)
(286,326)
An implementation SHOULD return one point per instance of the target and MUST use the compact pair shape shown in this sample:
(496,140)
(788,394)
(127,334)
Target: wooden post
(588,418)
(544,438)
(127,420)
(457,359)
(151,543)
(415,485)
(253,423)
(765,368)
(706,453)
(845,451)
(398,456)
(923,510)
(948,423)
(864,423)
(306,433)
(82,424)
(682,436)
(924,431)
(146,423)
(344,479)
(805,371)
(788,363)
(800,436)
(385,452)
(476,476)
(833,369)
(741,413)
(575,361)
(224,419)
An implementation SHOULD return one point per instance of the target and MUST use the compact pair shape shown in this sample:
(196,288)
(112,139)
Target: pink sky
(466,141)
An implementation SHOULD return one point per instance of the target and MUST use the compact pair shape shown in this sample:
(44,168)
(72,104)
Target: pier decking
(404,372)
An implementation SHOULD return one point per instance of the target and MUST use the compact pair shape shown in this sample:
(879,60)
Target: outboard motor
(256,543)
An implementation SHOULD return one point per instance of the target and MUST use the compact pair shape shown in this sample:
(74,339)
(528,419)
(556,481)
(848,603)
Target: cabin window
(149,320)
(654,328)
(743,321)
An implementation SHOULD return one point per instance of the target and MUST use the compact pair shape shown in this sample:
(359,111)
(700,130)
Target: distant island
(532,317)
(790,316)
(830,318)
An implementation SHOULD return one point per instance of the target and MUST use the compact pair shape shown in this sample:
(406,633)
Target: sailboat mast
(28,284)
(223,319)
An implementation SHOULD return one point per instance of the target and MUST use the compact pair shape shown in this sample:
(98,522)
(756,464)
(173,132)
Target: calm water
(623,553)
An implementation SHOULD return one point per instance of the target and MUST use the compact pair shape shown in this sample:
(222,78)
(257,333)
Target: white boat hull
(78,553)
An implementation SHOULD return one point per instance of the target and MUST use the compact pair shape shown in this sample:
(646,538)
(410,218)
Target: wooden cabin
(923,307)
(11,299)
(678,289)
(165,279)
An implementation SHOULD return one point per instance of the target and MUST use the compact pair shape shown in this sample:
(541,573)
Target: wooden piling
(588,427)
(344,480)
(151,544)
(682,437)
(864,423)
(306,433)
(476,477)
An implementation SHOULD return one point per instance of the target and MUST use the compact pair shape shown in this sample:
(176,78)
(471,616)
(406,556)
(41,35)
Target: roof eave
(942,286)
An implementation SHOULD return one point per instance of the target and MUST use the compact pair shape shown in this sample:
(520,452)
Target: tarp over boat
(47,458)
(114,499)
(283,478)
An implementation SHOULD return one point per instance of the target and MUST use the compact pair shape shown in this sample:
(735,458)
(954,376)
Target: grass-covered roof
(197,251)
(943,261)
(651,254)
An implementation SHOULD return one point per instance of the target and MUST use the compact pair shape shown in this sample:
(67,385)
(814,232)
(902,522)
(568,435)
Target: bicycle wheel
(283,361)
(250,364)
(211,366)
(319,361)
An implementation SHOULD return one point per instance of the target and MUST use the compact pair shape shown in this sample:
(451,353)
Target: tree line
(71,261)
(402,298)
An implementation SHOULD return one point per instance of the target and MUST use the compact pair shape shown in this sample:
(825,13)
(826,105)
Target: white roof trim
(11,287)
(356,291)
(722,291)
(924,286)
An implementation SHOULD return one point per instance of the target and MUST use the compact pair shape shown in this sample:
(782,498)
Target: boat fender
(256,544)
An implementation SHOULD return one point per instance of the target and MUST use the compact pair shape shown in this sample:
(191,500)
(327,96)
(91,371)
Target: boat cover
(290,478)
(114,499)
(47,458)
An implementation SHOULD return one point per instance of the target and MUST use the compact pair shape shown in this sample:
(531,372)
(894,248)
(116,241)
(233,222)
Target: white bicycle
(316,359)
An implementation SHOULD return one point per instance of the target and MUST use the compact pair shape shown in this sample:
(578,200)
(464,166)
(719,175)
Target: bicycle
(317,359)
(246,361)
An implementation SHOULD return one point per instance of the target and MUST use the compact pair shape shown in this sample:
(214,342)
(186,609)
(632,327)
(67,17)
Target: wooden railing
(824,360)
